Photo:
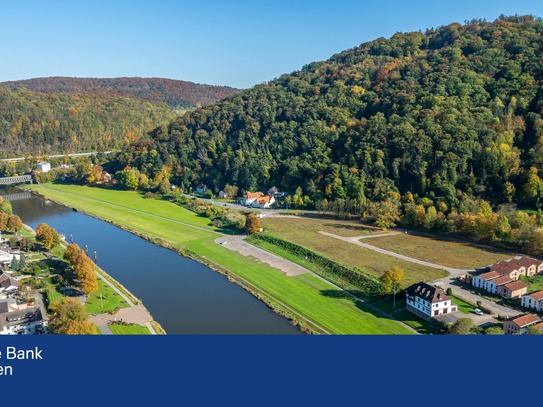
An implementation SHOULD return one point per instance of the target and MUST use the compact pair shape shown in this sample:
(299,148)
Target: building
(500,276)
(250,197)
(22,322)
(223,194)
(519,323)
(427,301)
(533,300)
(514,289)
(482,280)
(44,166)
(263,202)
(7,284)
(200,189)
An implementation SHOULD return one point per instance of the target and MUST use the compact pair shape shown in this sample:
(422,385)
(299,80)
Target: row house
(514,289)
(533,300)
(428,301)
(519,323)
(516,267)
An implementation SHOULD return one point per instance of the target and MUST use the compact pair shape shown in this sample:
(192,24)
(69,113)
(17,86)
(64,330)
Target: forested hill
(175,93)
(40,123)
(458,108)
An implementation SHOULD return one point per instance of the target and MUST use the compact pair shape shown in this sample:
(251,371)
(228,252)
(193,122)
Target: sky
(237,43)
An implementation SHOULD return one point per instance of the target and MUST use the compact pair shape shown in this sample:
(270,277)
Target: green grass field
(132,329)
(445,252)
(463,306)
(298,230)
(111,301)
(304,294)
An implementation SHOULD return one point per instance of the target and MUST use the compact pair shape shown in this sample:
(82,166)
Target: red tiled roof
(489,275)
(537,295)
(516,285)
(502,280)
(254,195)
(524,319)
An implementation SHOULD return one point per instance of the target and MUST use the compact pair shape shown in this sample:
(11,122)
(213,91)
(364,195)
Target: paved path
(237,243)
(356,241)
(137,314)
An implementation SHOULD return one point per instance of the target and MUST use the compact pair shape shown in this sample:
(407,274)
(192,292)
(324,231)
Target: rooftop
(427,292)
(523,320)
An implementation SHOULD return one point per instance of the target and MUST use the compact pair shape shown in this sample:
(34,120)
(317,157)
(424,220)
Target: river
(184,296)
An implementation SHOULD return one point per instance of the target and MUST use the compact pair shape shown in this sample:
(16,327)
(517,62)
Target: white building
(427,301)
(44,166)
(533,300)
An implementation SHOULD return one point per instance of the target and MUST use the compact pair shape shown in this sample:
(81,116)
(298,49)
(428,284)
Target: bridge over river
(16,197)
(15,180)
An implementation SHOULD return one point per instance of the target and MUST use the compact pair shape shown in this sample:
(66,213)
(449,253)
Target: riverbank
(134,313)
(305,299)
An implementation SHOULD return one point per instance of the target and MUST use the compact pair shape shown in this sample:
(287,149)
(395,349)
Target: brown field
(304,232)
(463,255)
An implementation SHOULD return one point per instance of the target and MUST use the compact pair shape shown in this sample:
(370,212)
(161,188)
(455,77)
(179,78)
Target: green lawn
(132,329)
(304,294)
(53,296)
(535,283)
(111,301)
(463,306)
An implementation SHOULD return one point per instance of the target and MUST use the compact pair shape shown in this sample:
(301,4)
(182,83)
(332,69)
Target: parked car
(478,311)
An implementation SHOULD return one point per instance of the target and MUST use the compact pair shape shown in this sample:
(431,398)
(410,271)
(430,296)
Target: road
(61,155)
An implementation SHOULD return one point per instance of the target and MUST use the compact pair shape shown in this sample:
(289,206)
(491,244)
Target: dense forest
(175,93)
(39,123)
(451,112)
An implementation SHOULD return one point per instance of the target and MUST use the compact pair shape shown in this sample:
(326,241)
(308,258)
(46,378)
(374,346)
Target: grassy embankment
(301,298)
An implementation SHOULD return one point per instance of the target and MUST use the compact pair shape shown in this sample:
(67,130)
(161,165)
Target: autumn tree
(231,190)
(386,213)
(3,221)
(253,224)
(391,281)
(47,236)
(83,268)
(463,326)
(70,318)
(14,223)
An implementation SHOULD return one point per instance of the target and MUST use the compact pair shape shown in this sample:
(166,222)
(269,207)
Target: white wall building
(428,301)
(533,300)
(44,166)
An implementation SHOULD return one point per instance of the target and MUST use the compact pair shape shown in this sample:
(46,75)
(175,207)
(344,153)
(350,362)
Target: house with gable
(263,202)
(427,301)
(514,289)
(533,300)
(250,197)
(519,323)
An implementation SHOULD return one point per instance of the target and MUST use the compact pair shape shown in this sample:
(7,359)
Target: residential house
(263,202)
(533,300)
(6,256)
(250,197)
(428,301)
(7,283)
(223,194)
(516,267)
(493,286)
(514,289)
(519,323)
(44,166)
(201,188)
(28,321)
(481,281)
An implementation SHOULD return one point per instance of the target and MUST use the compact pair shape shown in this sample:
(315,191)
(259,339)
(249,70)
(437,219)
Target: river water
(184,296)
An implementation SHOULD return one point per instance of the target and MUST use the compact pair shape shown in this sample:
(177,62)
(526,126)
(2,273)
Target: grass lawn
(53,296)
(463,306)
(535,283)
(304,294)
(132,329)
(448,253)
(111,301)
(304,232)
(346,228)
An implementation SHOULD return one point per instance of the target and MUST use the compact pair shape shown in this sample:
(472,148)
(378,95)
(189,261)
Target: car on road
(478,311)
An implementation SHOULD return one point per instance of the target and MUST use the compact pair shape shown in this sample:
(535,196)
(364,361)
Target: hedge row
(363,282)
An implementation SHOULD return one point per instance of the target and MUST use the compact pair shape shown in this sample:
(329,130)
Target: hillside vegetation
(39,123)
(175,93)
(451,111)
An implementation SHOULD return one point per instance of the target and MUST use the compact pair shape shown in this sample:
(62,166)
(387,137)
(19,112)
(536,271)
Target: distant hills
(175,93)
(450,111)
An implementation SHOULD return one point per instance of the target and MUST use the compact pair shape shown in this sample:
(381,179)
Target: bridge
(15,180)
(16,197)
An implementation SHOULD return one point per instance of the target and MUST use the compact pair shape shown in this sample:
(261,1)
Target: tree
(14,223)
(47,236)
(253,224)
(391,281)
(22,262)
(231,190)
(386,213)
(3,221)
(70,318)
(493,330)
(14,264)
(463,326)
(534,330)
(26,244)
(83,268)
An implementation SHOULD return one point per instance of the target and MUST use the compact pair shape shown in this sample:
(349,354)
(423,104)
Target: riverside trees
(83,268)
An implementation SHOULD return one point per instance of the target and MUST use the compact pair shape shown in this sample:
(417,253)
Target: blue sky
(238,43)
